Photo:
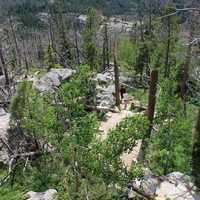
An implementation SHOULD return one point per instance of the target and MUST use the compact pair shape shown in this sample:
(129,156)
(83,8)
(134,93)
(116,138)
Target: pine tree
(90,47)
(171,30)
(64,46)
(50,58)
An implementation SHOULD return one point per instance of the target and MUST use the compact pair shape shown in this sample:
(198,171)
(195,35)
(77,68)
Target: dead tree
(152,98)
(106,59)
(25,56)
(77,46)
(117,83)
(196,153)
(4,67)
(167,66)
(17,49)
(186,65)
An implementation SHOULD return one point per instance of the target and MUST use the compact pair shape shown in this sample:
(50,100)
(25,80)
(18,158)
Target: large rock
(177,186)
(105,96)
(104,78)
(2,80)
(50,194)
(53,79)
(4,126)
(174,186)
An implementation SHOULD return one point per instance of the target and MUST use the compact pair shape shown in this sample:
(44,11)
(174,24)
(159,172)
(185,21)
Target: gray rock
(50,194)
(53,79)
(105,96)
(104,78)
(174,186)
(4,126)
(2,80)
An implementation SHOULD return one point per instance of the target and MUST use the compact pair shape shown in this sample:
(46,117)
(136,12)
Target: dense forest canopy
(108,7)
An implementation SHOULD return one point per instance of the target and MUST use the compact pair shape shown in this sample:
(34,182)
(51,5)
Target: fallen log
(142,193)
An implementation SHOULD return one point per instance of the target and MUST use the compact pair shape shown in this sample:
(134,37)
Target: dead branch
(177,11)
(21,155)
(142,193)
(6,144)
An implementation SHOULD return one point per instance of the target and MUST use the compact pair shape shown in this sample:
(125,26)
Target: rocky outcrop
(174,186)
(105,89)
(50,194)
(53,79)
(4,126)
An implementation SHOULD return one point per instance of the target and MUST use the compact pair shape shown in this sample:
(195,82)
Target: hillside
(99,100)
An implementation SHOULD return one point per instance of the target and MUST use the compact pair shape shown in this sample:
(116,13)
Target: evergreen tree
(50,58)
(64,46)
(90,47)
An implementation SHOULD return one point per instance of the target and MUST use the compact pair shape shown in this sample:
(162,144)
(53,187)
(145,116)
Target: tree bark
(106,59)
(167,67)
(77,47)
(198,123)
(152,98)
(117,83)
(25,56)
(196,153)
(185,77)
(4,67)
(15,41)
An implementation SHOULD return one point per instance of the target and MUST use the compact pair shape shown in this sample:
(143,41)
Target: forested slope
(96,107)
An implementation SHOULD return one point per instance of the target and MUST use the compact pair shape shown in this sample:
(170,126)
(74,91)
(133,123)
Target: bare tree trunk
(77,47)
(152,98)
(107,47)
(185,77)
(117,83)
(188,58)
(15,41)
(150,18)
(196,153)
(4,67)
(141,25)
(51,34)
(198,123)
(25,57)
(167,67)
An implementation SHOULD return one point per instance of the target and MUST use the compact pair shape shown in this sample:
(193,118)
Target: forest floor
(113,119)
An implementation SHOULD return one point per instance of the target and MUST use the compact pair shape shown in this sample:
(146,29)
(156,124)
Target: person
(126,100)
(122,92)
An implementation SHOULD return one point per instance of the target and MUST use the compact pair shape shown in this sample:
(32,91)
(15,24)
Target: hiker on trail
(122,92)
(126,100)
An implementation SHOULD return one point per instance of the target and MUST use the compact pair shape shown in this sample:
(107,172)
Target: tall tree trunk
(107,47)
(139,10)
(117,84)
(150,18)
(196,153)
(106,59)
(167,67)
(51,32)
(15,41)
(185,77)
(25,57)
(77,47)
(152,98)
(4,67)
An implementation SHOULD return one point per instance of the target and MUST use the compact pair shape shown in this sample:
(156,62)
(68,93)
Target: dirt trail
(113,120)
